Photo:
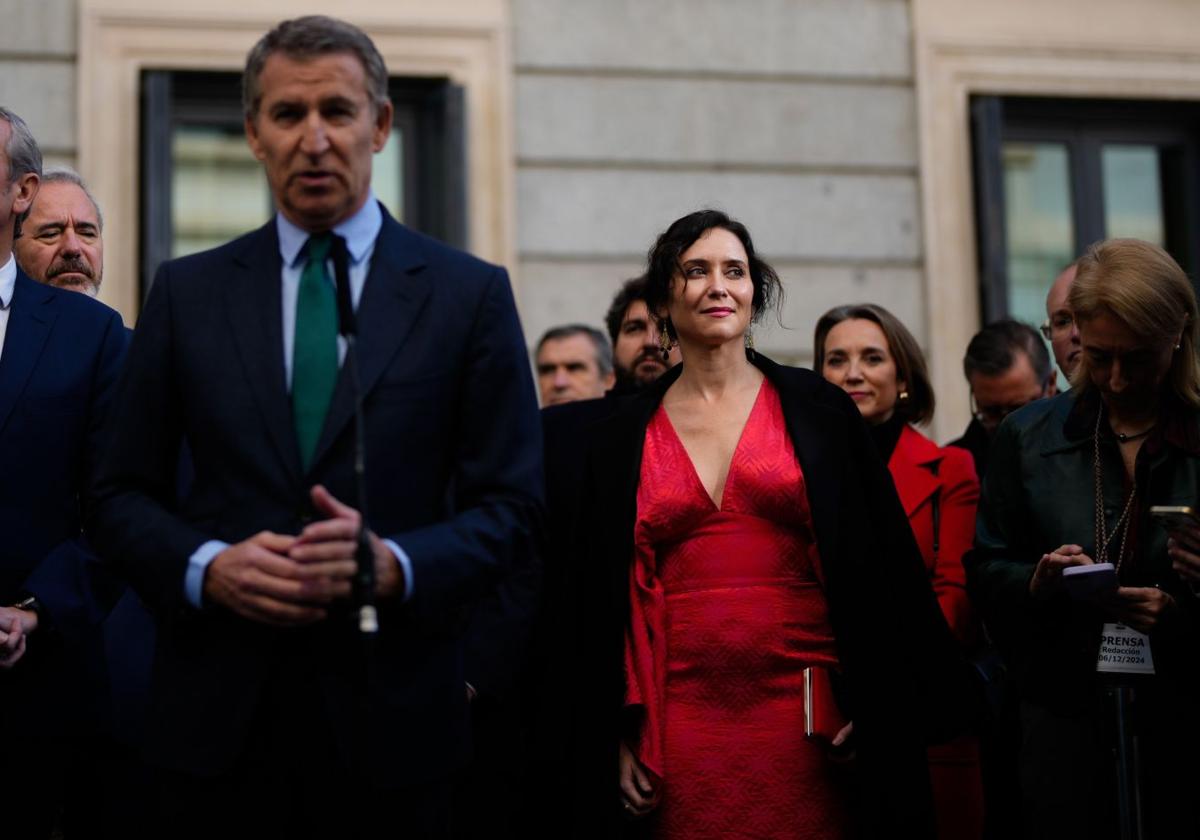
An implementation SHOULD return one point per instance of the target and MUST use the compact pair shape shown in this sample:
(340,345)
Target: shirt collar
(360,232)
(8,281)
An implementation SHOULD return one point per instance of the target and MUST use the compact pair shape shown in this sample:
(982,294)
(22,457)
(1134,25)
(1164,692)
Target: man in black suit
(270,715)
(60,354)
(105,633)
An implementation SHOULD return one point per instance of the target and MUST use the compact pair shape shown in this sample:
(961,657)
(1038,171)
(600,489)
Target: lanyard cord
(1103,537)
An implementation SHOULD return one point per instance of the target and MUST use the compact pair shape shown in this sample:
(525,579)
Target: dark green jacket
(1039,494)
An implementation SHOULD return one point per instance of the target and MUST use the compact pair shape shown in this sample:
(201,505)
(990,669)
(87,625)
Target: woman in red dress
(722,553)
(866,351)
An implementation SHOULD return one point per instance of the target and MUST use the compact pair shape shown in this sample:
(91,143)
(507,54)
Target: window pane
(218,189)
(1041,235)
(387,174)
(1132,193)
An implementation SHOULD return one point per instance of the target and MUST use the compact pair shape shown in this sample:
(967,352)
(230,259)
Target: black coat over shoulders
(905,681)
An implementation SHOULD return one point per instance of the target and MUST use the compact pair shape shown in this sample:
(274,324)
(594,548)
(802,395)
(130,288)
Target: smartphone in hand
(1094,582)
(1175,517)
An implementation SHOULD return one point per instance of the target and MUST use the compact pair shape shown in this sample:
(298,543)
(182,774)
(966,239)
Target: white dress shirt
(8,284)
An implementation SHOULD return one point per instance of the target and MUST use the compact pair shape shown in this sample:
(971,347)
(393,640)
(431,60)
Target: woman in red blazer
(866,351)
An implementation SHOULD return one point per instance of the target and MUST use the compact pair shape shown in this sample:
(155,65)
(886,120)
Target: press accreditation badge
(1124,651)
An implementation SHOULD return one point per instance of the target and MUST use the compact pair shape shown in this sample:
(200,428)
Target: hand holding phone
(1047,575)
(1183,525)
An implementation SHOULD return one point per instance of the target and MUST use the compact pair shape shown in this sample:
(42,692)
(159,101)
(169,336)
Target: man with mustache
(61,242)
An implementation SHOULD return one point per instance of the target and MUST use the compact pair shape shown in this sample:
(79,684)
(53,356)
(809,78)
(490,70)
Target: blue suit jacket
(453,476)
(62,354)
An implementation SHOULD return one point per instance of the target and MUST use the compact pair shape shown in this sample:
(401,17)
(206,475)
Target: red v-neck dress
(727,611)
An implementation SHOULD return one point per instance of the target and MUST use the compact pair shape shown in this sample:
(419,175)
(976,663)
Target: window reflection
(1133,193)
(1041,235)
(218,189)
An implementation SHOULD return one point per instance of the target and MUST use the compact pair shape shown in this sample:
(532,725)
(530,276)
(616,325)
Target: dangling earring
(749,343)
(664,342)
(903,396)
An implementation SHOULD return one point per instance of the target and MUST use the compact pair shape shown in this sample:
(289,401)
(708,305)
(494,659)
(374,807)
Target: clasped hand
(15,627)
(1139,607)
(290,581)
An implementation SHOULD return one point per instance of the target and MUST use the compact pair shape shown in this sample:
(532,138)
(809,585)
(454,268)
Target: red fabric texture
(953,767)
(727,611)
(912,467)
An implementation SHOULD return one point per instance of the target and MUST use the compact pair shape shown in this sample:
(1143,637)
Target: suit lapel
(30,319)
(254,303)
(393,296)
(909,465)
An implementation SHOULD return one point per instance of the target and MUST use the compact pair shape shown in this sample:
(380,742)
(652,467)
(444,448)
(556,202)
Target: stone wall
(37,71)
(797,118)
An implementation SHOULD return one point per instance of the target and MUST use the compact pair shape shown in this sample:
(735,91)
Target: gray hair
(67,175)
(23,154)
(306,38)
(604,353)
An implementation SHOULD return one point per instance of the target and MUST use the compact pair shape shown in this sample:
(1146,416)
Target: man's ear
(383,126)
(26,191)
(610,379)
(1051,387)
(252,139)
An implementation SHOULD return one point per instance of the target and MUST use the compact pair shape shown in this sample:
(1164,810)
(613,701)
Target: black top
(978,442)
(886,435)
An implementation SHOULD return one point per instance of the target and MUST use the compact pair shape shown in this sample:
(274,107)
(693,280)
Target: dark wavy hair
(631,290)
(910,361)
(662,264)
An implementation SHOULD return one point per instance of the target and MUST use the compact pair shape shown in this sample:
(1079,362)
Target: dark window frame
(1084,126)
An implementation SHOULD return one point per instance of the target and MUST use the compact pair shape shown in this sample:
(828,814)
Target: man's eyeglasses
(1058,325)
(993,415)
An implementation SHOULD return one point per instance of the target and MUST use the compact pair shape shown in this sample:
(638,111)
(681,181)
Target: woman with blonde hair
(1073,482)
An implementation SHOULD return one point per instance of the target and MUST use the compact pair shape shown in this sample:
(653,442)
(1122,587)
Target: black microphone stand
(364,577)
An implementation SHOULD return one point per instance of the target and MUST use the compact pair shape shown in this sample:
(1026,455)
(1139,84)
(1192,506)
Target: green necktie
(314,353)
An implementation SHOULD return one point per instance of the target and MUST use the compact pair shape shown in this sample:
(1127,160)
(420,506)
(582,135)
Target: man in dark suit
(271,716)
(60,353)
(105,633)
